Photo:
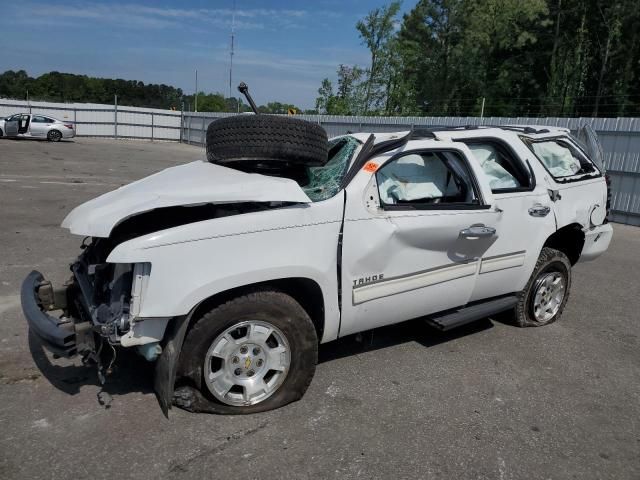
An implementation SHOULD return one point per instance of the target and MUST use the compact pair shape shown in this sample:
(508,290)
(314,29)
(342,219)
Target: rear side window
(504,172)
(562,159)
(38,119)
(432,179)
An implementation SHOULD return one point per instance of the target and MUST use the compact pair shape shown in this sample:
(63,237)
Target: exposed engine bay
(103,298)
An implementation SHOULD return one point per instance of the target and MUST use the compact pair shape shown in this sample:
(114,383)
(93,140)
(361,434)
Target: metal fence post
(189,129)
(202,135)
(152,126)
(75,119)
(115,116)
(181,121)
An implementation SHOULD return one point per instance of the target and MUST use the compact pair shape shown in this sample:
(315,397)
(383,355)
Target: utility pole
(196,95)
(233,34)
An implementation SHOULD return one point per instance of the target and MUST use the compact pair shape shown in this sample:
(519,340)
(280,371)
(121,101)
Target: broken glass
(324,182)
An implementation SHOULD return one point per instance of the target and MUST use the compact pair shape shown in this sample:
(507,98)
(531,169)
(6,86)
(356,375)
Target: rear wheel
(54,136)
(254,353)
(543,299)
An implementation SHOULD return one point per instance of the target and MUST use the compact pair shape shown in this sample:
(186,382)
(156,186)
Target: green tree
(376,31)
(325,94)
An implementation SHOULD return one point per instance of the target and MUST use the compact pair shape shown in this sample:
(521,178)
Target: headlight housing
(140,280)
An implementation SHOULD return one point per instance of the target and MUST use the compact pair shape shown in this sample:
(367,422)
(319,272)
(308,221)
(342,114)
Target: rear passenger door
(525,215)
(40,125)
(413,234)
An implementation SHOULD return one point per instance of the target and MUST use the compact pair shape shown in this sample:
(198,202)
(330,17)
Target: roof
(469,131)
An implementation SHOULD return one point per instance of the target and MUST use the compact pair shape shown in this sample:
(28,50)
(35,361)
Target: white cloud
(142,16)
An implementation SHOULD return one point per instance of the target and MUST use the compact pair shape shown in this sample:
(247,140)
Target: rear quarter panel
(578,200)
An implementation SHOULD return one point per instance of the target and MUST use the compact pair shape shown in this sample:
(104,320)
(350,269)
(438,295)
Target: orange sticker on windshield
(370,167)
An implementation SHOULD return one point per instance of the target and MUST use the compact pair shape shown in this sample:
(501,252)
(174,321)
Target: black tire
(276,308)
(266,138)
(54,136)
(550,260)
(1,133)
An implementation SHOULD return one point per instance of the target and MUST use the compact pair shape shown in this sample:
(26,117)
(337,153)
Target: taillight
(69,125)
(608,180)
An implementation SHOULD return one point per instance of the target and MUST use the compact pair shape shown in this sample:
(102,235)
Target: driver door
(412,243)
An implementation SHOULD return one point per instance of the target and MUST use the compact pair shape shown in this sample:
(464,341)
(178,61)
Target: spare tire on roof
(266,138)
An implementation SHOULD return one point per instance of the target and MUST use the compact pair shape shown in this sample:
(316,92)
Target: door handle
(477,231)
(539,211)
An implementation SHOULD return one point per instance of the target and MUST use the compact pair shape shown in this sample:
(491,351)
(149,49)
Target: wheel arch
(54,130)
(569,240)
(305,291)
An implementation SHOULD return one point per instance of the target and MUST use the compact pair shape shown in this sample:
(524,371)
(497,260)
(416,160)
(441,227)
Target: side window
(48,120)
(38,119)
(503,171)
(561,158)
(433,179)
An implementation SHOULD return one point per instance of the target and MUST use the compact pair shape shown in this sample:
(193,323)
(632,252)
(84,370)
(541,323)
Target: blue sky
(283,48)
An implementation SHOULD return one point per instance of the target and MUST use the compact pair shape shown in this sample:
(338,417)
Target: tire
(1,133)
(263,309)
(552,264)
(54,136)
(266,138)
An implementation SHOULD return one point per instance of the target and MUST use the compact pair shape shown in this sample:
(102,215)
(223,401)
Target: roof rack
(528,130)
(429,132)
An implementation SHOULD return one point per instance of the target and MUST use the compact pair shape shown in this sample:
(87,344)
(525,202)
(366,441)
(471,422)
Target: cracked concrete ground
(489,401)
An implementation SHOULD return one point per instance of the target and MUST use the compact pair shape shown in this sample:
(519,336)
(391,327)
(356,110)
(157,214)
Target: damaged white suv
(228,272)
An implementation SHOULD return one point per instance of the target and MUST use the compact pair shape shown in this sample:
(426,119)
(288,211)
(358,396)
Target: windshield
(324,182)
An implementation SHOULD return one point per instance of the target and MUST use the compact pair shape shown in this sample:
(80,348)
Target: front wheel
(543,299)
(254,353)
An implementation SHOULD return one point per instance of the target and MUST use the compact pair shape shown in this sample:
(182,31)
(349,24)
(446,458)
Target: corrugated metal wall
(101,120)
(620,138)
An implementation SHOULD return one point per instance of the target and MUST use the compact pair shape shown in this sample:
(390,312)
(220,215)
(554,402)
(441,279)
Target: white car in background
(36,126)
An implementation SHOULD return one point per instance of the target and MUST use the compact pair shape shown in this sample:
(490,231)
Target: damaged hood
(195,183)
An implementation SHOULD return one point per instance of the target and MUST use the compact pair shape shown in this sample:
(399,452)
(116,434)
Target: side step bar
(462,316)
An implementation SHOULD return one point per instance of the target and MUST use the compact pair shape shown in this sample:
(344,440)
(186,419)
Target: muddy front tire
(254,353)
(543,299)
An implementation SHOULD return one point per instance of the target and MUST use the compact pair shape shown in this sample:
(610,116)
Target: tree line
(443,57)
(498,57)
(68,88)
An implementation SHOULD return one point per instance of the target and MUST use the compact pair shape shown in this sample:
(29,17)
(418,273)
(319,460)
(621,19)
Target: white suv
(229,280)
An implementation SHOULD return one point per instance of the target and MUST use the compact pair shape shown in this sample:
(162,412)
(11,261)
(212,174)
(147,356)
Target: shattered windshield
(324,182)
